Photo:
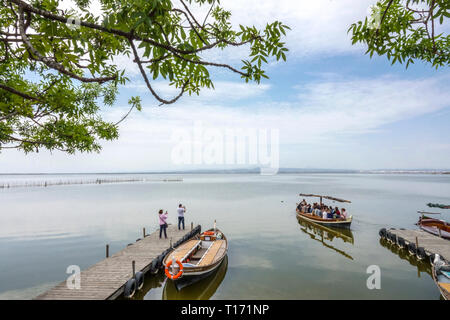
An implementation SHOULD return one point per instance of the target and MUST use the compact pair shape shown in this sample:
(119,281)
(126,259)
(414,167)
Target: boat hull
(191,276)
(194,273)
(336,223)
(444,292)
(434,226)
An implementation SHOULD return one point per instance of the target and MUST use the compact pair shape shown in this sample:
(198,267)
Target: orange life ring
(208,233)
(169,275)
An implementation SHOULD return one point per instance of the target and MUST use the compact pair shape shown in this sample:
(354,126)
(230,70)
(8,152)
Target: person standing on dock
(162,223)
(181,210)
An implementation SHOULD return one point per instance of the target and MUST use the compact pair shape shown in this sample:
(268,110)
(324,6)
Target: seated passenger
(343,213)
(336,211)
(329,214)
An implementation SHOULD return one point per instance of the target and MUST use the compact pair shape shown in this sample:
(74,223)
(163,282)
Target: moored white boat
(196,258)
(441,276)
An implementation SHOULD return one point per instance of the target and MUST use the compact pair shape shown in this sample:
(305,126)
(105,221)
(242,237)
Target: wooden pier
(431,244)
(107,278)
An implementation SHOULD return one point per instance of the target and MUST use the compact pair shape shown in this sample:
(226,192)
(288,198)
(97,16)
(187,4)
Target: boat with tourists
(434,226)
(196,258)
(322,214)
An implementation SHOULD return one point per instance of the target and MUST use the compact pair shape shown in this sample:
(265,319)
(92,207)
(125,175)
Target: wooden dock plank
(107,278)
(181,251)
(431,243)
(212,252)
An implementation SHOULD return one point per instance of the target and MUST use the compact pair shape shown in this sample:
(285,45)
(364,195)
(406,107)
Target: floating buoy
(412,248)
(421,254)
(388,236)
(139,276)
(130,289)
(169,275)
(154,267)
(401,242)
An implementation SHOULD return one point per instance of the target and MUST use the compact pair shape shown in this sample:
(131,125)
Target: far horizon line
(247,171)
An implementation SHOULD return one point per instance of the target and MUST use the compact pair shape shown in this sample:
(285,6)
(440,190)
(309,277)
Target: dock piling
(133,265)
(143,232)
(107,250)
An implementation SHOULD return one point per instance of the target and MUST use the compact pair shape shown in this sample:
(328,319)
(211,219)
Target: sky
(330,105)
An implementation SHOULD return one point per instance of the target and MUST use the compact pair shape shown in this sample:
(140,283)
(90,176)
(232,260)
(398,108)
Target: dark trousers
(180,221)
(161,228)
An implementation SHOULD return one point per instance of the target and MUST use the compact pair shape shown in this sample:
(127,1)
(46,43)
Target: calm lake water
(272,255)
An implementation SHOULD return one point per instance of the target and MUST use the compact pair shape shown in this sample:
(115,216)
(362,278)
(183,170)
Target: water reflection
(202,290)
(151,282)
(421,265)
(322,234)
(156,286)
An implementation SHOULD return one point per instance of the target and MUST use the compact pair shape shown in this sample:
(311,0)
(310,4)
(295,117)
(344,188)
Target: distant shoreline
(241,171)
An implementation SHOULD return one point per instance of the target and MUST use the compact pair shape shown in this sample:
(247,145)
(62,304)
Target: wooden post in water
(107,250)
(143,232)
(170,242)
(417,244)
(133,265)
(192,226)
(440,235)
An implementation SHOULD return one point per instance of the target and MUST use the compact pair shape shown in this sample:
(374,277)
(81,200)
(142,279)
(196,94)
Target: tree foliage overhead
(57,66)
(406,31)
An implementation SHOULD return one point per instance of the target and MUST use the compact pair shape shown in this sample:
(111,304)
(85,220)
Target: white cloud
(223,90)
(317,27)
(323,109)
(329,112)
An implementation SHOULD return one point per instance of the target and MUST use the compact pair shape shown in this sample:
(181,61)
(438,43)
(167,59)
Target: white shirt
(180,212)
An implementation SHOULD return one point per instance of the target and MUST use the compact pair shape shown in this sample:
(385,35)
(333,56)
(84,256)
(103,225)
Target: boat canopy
(323,197)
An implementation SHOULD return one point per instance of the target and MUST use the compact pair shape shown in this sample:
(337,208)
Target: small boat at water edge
(434,226)
(196,259)
(441,276)
(204,289)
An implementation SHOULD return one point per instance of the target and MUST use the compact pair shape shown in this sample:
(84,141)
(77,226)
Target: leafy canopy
(57,66)
(406,31)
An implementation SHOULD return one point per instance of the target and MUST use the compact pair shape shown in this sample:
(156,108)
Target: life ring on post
(169,275)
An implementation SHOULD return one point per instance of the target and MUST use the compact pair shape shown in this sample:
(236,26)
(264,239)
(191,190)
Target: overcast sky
(333,106)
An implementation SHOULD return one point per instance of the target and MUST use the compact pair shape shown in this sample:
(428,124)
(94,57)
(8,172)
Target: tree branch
(147,82)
